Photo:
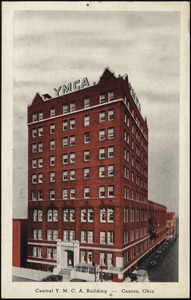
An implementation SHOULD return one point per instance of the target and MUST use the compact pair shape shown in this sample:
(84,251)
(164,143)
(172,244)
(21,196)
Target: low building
(171,225)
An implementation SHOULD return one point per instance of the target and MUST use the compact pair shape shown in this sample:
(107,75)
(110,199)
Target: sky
(52,48)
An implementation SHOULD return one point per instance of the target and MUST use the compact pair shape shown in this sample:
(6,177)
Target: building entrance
(70,258)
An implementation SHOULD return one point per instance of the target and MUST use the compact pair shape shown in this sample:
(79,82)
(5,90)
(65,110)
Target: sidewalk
(31,274)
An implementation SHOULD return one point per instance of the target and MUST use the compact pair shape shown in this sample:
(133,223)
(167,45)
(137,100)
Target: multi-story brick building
(88,205)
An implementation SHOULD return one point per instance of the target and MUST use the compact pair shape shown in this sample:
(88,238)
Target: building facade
(88,208)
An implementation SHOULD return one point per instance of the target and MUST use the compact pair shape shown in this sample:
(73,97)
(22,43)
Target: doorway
(70,258)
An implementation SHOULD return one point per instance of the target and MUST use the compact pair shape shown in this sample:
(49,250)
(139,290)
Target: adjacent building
(88,210)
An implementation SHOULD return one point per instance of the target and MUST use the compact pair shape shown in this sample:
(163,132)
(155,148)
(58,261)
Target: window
(132,235)
(111,95)
(52,145)
(52,161)
(72,140)
(87,155)
(55,235)
(87,137)
(87,102)
(49,234)
(52,112)
(40,147)
(90,257)
(34,252)
(72,106)
(40,162)
(103,215)
(40,195)
(66,215)
(72,193)
(83,236)
(52,128)
(90,215)
(34,178)
(86,192)
(110,259)
(65,108)
(40,252)
(65,235)
(102,191)
(65,158)
(49,253)
(102,258)
(40,178)
(102,237)
(90,236)
(132,145)
(102,117)
(40,115)
(52,177)
(72,174)
(83,256)
(133,129)
(55,253)
(55,215)
(72,215)
(52,194)
(137,233)
(72,235)
(40,215)
(34,132)
(83,215)
(102,134)
(33,195)
(35,215)
(102,153)
(132,177)
(65,125)
(87,120)
(34,164)
(65,142)
(102,171)
(34,234)
(132,215)
(40,131)
(126,215)
(110,237)
(65,194)
(111,115)
(110,170)
(110,215)
(87,173)
(125,237)
(72,158)
(102,98)
(110,191)
(137,215)
(34,117)
(111,134)
(72,124)
(111,151)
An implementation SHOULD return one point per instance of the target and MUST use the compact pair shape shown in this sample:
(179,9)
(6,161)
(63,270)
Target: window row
(51,252)
(102,153)
(71,124)
(69,235)
(134,251)
(140,215)
(134,234)
(71,107)
(69,215)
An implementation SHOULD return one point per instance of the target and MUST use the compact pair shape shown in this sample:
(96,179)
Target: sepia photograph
(95,150)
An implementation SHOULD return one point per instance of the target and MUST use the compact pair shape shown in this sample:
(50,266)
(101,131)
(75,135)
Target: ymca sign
(72,87)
